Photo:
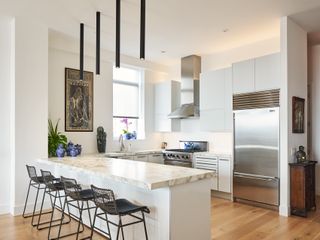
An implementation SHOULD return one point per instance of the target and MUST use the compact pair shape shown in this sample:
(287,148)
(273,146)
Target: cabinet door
(224,183)
(267,72)
(212,120)
(141,158)
(243,76)
(162,98)
(212,90)
(156,158)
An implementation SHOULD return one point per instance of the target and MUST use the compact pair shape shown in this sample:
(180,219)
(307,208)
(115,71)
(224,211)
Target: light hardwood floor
(228,221)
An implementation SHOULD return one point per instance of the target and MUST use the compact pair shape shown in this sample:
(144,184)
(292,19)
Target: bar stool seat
(126,207)
(83,195)
(105,200)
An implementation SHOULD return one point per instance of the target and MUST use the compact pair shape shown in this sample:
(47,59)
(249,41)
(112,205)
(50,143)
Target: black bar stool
(36,182)
(75,193)
(54,187)
(105,200)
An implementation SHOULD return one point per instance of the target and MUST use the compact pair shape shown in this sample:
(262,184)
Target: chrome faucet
(122,147)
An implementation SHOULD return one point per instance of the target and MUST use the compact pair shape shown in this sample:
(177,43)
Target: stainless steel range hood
(190,75)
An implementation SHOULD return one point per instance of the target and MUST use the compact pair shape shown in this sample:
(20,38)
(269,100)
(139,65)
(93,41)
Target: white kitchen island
(179,198)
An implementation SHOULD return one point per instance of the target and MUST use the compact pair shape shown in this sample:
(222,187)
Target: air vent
(263,99)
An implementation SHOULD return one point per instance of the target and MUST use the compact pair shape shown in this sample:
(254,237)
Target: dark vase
(101,140)
(60,151)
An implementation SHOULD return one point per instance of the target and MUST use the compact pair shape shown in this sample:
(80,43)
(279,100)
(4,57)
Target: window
(128,103)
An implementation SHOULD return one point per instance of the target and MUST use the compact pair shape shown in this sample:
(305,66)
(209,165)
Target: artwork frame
(298,112)
(78,101)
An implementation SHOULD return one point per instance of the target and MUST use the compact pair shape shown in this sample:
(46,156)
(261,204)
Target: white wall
(293,83)
(31,102)
(63,53)
(314,81)
(226,58)
(6,27)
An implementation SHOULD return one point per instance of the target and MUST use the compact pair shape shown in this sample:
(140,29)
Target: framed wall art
(78,101)
(297,115)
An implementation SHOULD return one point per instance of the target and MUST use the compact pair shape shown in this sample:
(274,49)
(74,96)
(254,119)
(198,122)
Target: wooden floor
(229,221)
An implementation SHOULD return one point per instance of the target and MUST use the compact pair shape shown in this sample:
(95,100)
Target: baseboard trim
(4,209)
(284,210)
(222,195)
(18,209)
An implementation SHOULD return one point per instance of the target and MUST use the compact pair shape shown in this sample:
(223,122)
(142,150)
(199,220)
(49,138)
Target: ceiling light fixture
(142,29)
(81,49)
(98,43)
(118,29)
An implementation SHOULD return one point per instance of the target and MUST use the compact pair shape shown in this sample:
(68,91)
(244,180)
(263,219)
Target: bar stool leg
(80,219)
(94,221)
(35,205)
(25,203)
(144,224)
(60,226)
(121,228)
(108,226)
(118,231)
(53,208)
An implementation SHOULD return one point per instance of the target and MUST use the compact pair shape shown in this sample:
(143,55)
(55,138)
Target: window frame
(141,101)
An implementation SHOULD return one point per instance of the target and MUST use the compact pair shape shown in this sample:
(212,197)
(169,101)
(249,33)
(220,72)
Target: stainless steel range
(183,156)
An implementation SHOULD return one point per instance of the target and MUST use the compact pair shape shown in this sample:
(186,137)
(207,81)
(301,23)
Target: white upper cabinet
(216,100)
(267,72)
(212,90)
(257,74)
(243,76)
(166,99)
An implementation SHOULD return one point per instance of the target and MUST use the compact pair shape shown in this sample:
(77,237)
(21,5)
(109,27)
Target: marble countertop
(140,174)
(132,153)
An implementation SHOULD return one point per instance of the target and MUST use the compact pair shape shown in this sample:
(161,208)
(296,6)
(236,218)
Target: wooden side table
(302,188)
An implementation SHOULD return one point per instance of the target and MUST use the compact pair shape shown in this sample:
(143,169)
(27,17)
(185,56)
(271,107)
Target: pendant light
(142,29)
(118,22)
(81,49)
(98,43)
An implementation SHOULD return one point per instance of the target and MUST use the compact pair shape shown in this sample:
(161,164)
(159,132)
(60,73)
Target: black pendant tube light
(142,29)
(98,43)
(81,49)
(118,22)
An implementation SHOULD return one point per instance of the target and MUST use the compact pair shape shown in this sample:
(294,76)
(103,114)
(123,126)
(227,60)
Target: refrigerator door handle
(255,177)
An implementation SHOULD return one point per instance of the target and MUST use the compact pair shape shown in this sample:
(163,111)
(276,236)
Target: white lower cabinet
(221,165)
(224,182)
(156,158)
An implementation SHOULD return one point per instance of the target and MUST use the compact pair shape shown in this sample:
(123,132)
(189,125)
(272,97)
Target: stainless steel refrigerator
(256,155)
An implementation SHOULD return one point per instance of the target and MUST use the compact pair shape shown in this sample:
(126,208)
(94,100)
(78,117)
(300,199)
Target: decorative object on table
(78,101)
(126,133)
(60,151)
(73,150)
(164,145)
(55,138)
(297,115)
(301,155)
(101,140)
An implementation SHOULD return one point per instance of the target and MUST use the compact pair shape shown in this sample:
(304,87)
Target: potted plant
(55,138)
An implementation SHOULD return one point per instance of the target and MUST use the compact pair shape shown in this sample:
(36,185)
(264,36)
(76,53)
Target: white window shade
(125,100)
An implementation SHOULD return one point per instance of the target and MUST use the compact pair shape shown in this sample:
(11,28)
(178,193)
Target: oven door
(178,163)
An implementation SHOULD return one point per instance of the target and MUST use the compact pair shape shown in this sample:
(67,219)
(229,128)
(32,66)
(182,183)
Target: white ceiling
(180,27)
